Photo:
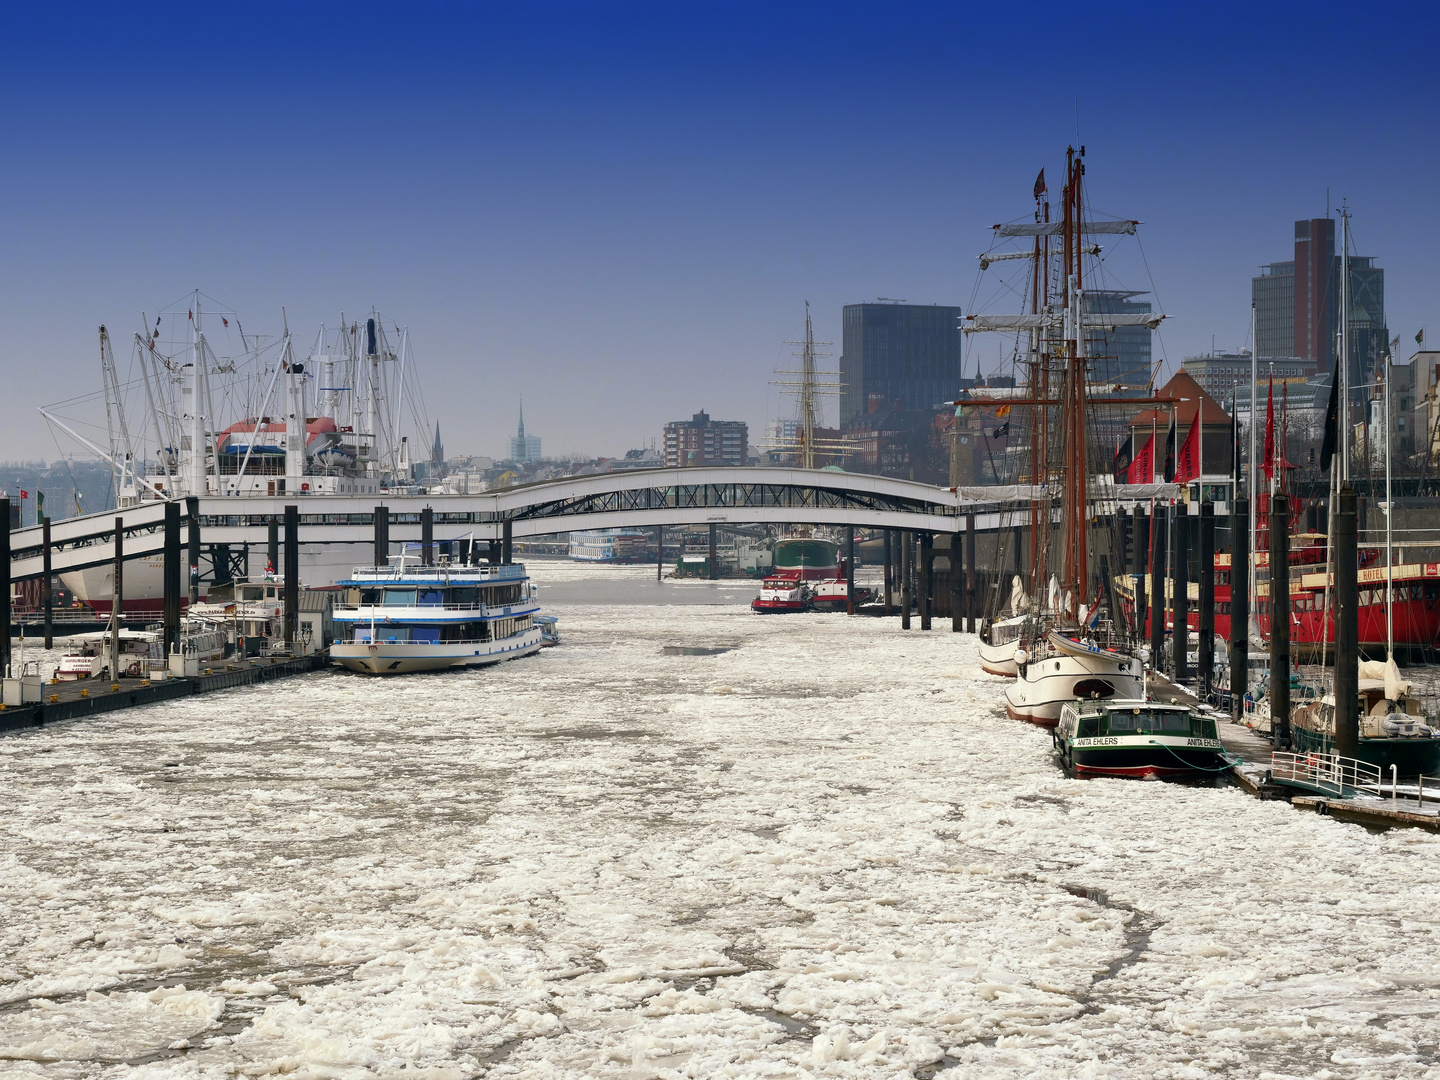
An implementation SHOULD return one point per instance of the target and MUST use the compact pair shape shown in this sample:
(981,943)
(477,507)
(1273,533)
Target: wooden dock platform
(87,697)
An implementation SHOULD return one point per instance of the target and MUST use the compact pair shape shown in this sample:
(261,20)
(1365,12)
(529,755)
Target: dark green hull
(1411,757)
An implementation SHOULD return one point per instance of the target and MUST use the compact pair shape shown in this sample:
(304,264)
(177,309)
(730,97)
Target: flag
(1332,423)
(157,325)
(1170,450)
(1420,337)
(1124,456)
(190,315)
(1002,412)
(1142,469)
(24,494)
(1040,187)
(39,504)
(1001,431)
(1269,465)
(224,320)
(1188,468)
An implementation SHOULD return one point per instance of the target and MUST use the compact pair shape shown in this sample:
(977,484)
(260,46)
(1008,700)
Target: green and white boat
(1132,737)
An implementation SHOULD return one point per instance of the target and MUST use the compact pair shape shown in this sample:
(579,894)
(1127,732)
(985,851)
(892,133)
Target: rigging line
(74,486)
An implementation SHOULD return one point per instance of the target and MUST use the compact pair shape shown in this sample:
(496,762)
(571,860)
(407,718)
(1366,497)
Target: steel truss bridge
(663,497)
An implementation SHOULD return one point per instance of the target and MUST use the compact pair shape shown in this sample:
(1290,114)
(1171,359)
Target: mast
(1076,552)
(1343,422)
(807,394)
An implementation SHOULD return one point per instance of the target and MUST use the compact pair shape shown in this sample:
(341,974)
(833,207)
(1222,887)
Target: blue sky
(619,210)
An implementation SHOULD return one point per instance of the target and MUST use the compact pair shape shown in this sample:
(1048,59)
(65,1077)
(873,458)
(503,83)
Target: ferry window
(464,596)
(425,633)
(1089,727)
(1123,722)
(402,597)
(1171,722)
(371,596)
(432,597)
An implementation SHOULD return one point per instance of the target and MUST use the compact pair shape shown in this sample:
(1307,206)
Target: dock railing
(1330,774)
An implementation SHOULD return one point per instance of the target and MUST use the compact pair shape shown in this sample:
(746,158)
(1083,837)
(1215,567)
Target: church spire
(521,432)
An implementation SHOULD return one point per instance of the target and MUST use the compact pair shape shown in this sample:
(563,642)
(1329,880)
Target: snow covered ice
(823,852)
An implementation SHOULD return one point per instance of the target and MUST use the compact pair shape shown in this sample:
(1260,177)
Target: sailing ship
(1394,729)
(327,423)
(1069,649)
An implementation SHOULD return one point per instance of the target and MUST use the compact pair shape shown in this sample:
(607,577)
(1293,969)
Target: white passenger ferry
(406,617)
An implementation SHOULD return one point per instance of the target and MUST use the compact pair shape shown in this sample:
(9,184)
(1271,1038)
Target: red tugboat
(809,575)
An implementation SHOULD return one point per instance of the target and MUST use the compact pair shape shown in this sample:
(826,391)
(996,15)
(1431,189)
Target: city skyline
(625,230)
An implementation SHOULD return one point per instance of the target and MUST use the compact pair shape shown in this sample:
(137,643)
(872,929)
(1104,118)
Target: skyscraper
(899,352)
(1297,304)
(1121,355)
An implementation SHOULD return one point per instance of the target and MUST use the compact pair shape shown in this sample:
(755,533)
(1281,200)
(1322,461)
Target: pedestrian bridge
(651,497)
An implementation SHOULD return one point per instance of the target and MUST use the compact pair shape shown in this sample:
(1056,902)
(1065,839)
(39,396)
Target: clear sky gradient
(619,210)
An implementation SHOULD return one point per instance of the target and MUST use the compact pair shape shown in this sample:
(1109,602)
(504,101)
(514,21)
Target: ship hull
(1042,687)
(1410,757)
(1148,757)
(999,659)
(404,658)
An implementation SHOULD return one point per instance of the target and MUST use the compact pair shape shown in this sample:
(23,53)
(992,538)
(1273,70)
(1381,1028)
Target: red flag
(1142,469)
(190,315)
(1188,467)
(1040,188)
(1270,431)
(224,320)
(24,494)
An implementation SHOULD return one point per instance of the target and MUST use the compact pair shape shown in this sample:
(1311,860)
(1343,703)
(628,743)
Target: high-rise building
(524,447)
(908,353)
(702,441)
(1297,304)
(1120,355)
(1273,294)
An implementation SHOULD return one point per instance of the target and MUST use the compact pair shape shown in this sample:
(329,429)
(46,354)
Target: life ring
(133,669)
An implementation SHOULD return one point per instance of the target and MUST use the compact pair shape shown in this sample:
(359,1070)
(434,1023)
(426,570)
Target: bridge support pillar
(171,574)
(659,552)
(292,576)
(714,560)
(889,573)
(957,582)
(906,575)
(507,543)
(927,577)
(427,536)
(974,608)
(850,570)
(5,586)
(47,585)
(382,535)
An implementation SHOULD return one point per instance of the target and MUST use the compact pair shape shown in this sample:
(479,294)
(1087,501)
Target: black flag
(1170,450)
(1123,457)
(1332,423)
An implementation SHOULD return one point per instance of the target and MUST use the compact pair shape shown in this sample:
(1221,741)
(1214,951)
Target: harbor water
(689,842)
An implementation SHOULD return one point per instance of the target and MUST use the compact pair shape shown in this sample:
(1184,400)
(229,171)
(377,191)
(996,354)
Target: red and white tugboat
(809,575)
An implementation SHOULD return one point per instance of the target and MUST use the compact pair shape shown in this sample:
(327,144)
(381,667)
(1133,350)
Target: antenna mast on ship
(811,385)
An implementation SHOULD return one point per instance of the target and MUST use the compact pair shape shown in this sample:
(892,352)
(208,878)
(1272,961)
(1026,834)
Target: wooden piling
(291,587)
(1280,620)
(714,559)
(1180,593)
(171,575)
(117,596)
(927,576)
(1206,675)
(272,546)
(192,546)
(1239,607)
(507,542)
(659,552)
(382,535)
(1347,626)
(1139,548)
(47,584)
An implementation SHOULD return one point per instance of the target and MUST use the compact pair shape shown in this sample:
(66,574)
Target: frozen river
(824,851)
